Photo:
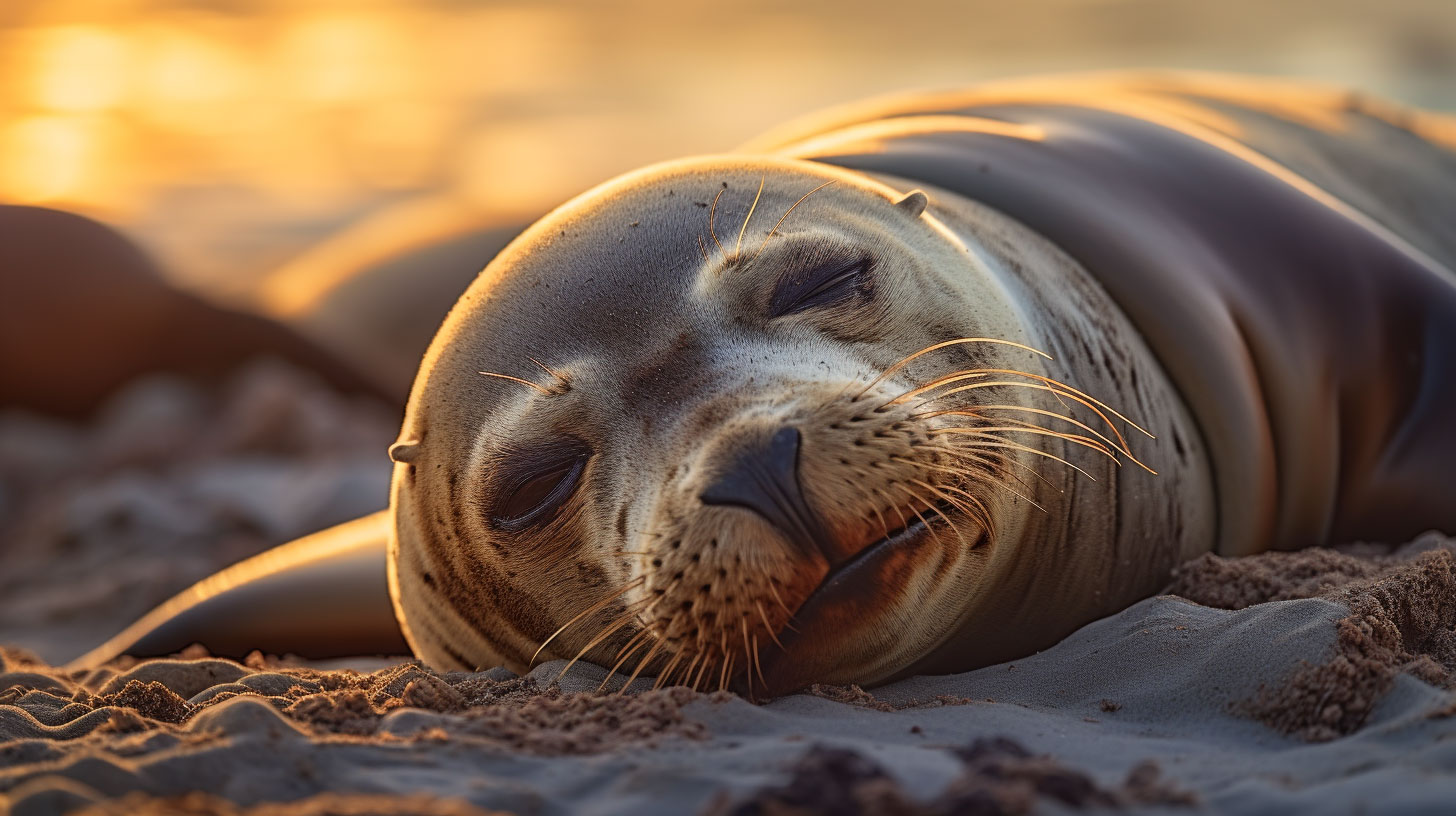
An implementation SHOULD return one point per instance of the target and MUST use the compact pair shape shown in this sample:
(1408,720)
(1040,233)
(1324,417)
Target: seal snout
(763,477)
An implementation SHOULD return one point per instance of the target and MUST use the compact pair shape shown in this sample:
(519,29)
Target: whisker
(688,671)
(1013,446)
(738,248)
(1040,431)
(638,641)
(662,677)
(605,633)
(766,625)
(917,497)
(936,347)
(1036,387)
(712,213)
(703,249)
(701,669)
(1042,412)
(526,383)
(747,653)
(980,513)
(786,215)
(723,674)
(758,664)
(642,664)
(973,475)
(635,582)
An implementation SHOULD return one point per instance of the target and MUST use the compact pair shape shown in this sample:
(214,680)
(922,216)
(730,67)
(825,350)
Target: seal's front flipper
(322,596)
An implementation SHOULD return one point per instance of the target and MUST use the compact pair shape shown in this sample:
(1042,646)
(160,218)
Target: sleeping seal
(913,387)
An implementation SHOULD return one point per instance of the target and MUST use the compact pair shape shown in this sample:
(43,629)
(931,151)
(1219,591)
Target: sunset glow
(230,140)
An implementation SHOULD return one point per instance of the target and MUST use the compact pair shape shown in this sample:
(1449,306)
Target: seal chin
(818,646)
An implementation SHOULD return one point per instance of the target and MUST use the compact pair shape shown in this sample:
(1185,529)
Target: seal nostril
(764,478)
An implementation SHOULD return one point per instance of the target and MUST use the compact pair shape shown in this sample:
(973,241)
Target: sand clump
(1402,619)
(999,777)
(515,712)
(200,804)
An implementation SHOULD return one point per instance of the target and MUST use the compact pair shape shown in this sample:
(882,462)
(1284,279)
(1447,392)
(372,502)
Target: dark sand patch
(856,696)
(200,804)
(1402,619)
(999,777)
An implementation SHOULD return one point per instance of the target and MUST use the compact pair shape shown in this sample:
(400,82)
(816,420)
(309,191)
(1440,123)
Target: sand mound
(1402,619)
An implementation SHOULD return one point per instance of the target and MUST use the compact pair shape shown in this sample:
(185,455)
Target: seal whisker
(944,344)
(748,655)
(1042,412)
(687,672)
(874,505)
(627,587)
(1040,431)
(703,667)
(712,213)
(606,632)
(560,378)
(666,673)
(636,643)
(980,513)
(766,625)
(738,248)
(1082,397)
(791,208)
(917,497)
(703,249)
(642,664)
(1053,388)
(1002,443)
(548,392)
(979,518)
(723,673)
(758,663)
(973,475)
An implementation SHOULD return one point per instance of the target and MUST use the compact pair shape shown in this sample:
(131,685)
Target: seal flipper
(323,595)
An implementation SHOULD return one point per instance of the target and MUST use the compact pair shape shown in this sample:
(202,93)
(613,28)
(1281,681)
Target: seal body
(782,417)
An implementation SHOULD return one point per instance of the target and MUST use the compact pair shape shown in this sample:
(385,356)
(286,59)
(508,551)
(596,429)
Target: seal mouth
(850,591)
(916,530)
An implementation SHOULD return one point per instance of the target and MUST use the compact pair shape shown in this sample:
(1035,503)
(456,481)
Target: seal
(923,385)
(63,272)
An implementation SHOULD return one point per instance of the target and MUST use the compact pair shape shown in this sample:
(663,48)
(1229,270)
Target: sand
(1319,681)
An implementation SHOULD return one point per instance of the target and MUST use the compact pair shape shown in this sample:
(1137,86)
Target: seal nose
(764,478)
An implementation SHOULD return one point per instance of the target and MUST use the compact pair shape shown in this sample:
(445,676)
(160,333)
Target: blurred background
(230,137)
(261,154)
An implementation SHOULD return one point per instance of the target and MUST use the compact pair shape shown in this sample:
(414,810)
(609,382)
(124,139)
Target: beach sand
(1318,681)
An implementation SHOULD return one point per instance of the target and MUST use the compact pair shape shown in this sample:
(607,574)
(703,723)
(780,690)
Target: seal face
(755,422)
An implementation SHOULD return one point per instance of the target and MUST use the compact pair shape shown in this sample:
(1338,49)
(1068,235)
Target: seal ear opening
(913,203)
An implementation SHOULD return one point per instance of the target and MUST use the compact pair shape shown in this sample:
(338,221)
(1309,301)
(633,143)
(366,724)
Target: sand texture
(1337,703)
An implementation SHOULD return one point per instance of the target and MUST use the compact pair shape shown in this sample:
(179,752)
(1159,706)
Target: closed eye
(537,483)
(823,284)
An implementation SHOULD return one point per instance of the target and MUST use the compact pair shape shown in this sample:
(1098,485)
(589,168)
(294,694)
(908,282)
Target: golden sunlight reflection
(230,137)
